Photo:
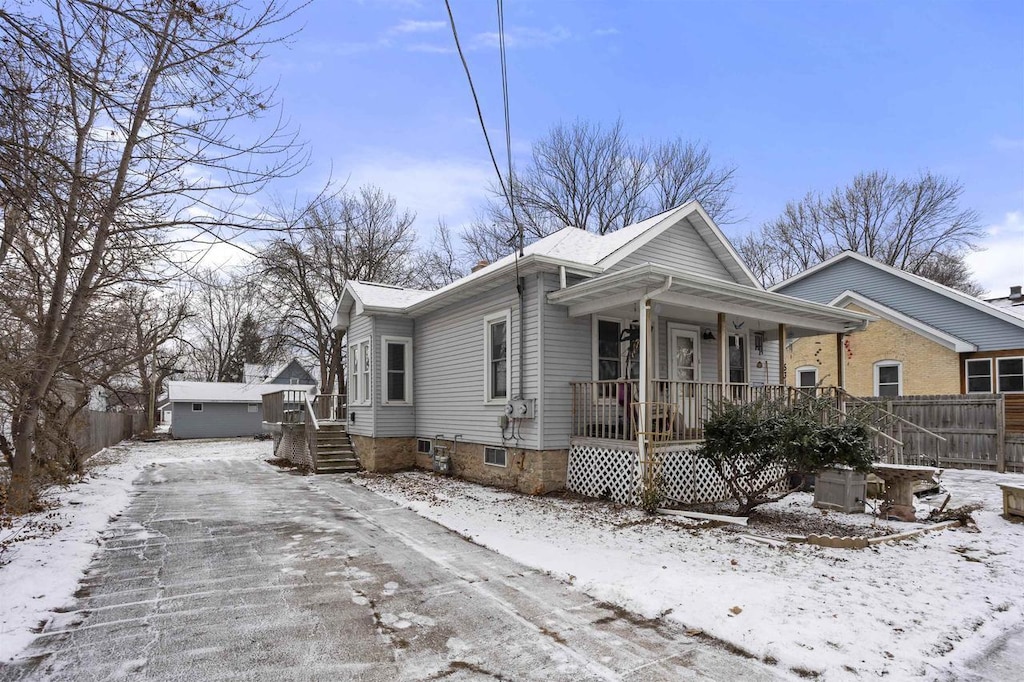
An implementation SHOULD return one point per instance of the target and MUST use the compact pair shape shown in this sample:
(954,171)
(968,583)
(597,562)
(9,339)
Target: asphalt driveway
(230,570)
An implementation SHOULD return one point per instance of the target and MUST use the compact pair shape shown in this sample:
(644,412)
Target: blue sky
(797,95)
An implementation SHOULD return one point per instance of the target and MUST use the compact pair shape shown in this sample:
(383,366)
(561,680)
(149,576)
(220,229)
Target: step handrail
(875,405)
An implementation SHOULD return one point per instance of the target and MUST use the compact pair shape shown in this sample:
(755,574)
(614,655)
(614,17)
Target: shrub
(755,446)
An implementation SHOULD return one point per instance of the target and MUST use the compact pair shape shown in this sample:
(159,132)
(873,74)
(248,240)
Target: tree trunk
(22,491)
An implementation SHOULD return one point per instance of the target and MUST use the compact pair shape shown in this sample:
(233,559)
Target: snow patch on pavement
(925,607)
(42,574)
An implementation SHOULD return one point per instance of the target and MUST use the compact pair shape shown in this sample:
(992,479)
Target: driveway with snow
(229,569)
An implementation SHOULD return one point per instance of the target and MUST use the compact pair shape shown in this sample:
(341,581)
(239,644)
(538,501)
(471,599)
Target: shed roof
(223,392)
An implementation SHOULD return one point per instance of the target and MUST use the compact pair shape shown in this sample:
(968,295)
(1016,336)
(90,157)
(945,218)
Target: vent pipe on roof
(1015,293)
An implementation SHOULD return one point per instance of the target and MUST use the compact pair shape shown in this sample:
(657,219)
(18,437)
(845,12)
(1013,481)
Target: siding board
(681,247)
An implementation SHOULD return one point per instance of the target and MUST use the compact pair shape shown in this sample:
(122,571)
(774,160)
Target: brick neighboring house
(928,339)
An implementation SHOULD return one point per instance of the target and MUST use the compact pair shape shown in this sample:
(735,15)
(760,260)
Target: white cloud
(413,26)
(1001,264)
(522,36)
(448,188)
(1008,144)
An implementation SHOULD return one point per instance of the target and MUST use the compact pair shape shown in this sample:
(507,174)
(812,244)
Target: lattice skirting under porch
(292,445)
(612,471)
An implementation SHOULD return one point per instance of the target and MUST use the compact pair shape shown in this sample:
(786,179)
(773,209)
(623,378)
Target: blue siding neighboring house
(207,409)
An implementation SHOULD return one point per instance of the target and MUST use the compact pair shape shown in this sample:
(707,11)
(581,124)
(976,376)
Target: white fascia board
(646,274)
(940,289)
(931,333)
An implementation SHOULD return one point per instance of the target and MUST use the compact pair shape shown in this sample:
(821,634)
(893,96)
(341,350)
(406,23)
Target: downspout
(645,369)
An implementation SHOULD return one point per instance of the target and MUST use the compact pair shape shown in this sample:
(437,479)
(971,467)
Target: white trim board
(931,333)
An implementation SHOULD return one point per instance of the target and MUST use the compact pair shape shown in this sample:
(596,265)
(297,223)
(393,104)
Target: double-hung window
(979,375)
(364,372)
(359,373)
(1011,374)
(888,378)
(497,342)
(396,353)
(353,374)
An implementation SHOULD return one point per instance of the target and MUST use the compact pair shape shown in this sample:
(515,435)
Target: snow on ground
(41,574)
(926,607)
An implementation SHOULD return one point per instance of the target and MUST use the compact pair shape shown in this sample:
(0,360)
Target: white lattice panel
(293,448)
(607,471)
(603,471)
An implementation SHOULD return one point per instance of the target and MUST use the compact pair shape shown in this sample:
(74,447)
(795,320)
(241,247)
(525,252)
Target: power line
(508,124)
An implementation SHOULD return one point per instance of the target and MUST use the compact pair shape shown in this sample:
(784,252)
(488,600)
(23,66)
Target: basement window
(496,456)
(424,446)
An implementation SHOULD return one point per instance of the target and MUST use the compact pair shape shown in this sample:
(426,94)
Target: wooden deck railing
(289,405)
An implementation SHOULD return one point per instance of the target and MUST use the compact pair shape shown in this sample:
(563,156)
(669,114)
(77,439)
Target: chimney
(481,264)
(1015,293)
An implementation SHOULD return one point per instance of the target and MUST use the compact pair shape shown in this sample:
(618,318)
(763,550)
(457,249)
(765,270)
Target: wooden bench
(1013,499)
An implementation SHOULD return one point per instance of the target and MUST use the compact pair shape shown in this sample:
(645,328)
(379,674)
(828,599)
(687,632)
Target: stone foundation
(529,471)
(384,455)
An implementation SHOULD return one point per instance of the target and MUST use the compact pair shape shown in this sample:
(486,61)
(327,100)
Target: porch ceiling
(703,298)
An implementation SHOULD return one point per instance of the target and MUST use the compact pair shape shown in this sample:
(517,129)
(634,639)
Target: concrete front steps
(334,452)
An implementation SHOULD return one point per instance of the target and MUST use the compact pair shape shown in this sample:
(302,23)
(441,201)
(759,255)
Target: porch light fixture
(707,335)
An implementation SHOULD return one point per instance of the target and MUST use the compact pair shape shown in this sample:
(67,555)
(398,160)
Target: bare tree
(595,178)
(124,143)
(915,224)
(360,235)
(440,263)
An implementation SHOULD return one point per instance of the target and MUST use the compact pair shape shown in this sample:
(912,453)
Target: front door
(684,365)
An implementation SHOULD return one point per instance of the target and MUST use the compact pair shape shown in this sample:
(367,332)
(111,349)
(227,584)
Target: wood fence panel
(971,425)
(102,429)
(1014,413)
(1015,453)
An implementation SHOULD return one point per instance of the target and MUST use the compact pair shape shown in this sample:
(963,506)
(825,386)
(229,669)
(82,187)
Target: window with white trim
(293,381)
(197,407)
(364,372)
(353,374)
(979,375)
(888,378)
(1011,374)
(807,377)
(497,341)
(424,446)
(254,408)
(497,457)
(396,353)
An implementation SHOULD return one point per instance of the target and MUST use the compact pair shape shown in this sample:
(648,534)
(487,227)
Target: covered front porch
(680,343)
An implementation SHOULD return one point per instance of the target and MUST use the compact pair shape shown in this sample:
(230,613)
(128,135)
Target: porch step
(334,451)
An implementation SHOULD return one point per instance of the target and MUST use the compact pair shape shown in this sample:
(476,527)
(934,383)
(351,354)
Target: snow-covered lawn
(923,607)
(41,574)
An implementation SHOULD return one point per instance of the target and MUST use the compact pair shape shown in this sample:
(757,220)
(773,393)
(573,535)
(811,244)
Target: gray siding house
(206,409)
(530,370)
(291,372)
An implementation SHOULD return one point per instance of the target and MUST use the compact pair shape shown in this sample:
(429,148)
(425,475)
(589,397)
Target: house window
(364,372)
(806,377)
(888,378)
(609,357)
(293,382)
(254,408)
(979,375)
(495,456)
(1011,374)
(497,340)
(353,374)
(424,446)
(197,407)
(397,355)
(737,359)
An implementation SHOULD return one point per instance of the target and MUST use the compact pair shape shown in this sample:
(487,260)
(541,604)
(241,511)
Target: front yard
(926,607)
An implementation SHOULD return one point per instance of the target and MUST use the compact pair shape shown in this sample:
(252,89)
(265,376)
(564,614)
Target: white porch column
(641,413)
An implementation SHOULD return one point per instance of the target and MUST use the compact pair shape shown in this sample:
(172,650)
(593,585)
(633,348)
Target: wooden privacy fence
(99,430)
(979,430)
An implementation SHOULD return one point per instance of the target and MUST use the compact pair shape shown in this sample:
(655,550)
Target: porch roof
(694,291)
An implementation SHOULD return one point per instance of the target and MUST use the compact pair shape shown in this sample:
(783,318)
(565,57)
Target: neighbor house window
(888,378)
(497,337)
(293,382)
(254,408)
(979,375)
(1011,374)
(495,456)
(806,377)
(197,407)
(424,446)
(737,359)
(397,355)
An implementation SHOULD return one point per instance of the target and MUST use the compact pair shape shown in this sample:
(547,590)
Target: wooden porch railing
(289,406)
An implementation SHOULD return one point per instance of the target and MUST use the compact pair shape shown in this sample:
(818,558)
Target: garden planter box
(1013,500)
(840,490)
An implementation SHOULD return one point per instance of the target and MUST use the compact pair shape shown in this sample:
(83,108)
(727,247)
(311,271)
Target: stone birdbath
(899,487)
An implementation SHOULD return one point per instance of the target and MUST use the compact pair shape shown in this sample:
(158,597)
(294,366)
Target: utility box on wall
(841,490)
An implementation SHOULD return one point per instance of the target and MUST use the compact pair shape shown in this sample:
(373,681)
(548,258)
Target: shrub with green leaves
(755,447)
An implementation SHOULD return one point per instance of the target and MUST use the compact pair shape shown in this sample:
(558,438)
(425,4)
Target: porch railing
(290,406)
(602,409)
